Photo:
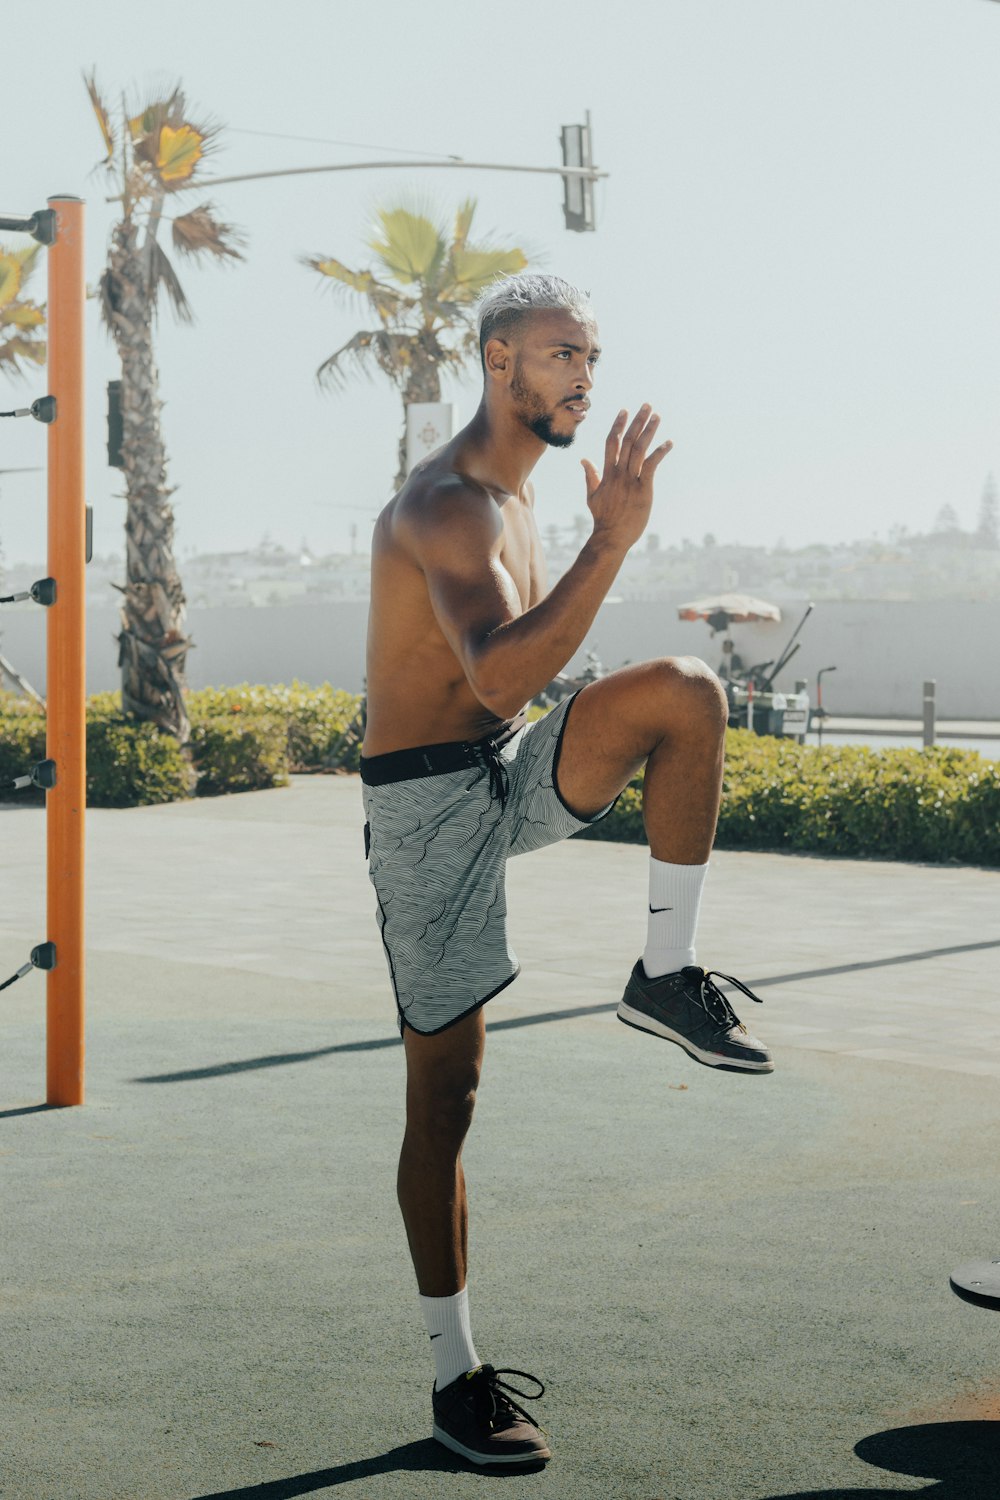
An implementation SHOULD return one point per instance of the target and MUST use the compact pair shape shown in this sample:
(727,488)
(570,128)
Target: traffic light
(578,192)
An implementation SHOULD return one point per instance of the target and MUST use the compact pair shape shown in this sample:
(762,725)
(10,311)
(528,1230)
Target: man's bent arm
(515,660)
(507,656)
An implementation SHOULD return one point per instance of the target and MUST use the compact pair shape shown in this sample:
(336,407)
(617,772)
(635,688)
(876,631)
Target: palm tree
(21,320)
(425,320)
(151,154)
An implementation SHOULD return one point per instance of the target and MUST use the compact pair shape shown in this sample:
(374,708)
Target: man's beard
(532,412)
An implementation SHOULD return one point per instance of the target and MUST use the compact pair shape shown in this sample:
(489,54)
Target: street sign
(429,424)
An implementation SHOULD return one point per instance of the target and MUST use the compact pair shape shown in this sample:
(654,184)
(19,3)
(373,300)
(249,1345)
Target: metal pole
(589,174)
(930,709)
(65,690)
(821,713)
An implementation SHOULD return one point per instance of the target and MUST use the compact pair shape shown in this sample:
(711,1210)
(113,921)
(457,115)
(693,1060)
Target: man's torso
(418,693)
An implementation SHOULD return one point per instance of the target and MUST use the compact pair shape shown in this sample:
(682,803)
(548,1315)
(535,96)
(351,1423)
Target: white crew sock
(674,899)
(447,1320)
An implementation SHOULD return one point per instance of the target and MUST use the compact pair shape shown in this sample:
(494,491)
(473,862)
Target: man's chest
(522,556)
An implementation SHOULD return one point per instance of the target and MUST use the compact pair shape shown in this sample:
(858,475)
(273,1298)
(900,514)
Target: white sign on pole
(428,425)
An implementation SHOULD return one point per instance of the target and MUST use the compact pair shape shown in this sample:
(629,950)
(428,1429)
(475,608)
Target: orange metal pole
(66,688)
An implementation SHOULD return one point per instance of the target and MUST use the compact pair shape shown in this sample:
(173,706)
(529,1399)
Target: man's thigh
(617,722)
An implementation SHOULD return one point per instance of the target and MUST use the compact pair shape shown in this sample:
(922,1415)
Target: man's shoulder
(439,497)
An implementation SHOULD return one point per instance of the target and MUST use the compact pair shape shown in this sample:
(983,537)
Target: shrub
(937,804)
(239,754)
(22,743)
(315,718)
(131,765)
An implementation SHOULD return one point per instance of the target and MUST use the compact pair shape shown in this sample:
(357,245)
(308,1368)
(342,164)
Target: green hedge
(132,765)
(22,742)
(935,805)
(242,739)
(314,718)
(246,754)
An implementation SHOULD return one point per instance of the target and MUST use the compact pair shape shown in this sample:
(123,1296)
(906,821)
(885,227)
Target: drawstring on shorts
(499,778)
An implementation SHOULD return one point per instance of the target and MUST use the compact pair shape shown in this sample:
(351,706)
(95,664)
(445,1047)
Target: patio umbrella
(723,610)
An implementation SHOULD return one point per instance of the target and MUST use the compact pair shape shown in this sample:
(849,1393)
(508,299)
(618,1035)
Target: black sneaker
(689,1008)
(473,1417)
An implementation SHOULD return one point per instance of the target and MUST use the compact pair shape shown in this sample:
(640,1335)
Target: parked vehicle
(754,703)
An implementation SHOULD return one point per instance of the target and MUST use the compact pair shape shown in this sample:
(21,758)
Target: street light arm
(589,173)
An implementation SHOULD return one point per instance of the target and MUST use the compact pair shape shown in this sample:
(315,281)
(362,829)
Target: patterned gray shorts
(437,850)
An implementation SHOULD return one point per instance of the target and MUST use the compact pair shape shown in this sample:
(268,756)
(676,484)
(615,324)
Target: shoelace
(714,1002)
(491,1401)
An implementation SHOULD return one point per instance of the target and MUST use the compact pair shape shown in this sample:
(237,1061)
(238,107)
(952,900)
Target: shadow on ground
(426,1456)
(250,1064)
(964,1457)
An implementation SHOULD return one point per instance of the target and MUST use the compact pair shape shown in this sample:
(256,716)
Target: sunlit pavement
(733,1287)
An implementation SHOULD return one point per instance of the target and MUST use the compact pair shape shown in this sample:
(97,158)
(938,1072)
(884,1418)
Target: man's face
(555,354)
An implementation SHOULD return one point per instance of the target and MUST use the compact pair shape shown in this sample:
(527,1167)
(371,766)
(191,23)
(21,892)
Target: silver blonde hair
(510,298)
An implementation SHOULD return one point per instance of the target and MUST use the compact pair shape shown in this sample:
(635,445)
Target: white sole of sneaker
(479,1458)
(642,1022)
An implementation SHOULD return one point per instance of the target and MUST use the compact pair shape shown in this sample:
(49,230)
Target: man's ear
(499,357)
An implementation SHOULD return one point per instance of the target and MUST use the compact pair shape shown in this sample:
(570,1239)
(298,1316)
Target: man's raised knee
(692,688)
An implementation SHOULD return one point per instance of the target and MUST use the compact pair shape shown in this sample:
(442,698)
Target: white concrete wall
(882,651)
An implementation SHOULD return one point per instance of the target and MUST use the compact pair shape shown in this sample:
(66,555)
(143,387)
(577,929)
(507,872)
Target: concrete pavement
(734,1287)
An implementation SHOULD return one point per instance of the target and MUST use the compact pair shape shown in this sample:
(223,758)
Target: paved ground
(734,1287)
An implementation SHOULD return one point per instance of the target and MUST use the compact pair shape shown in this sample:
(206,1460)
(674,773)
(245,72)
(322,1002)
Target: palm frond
(168,143)
(463,225)
(198,233)
(103,118)
(162,273)
(20,350)
(23,315)
(21,319)
(11,277)
(412,247)
(388,352)
(472,268)
(387,302)
(27,256)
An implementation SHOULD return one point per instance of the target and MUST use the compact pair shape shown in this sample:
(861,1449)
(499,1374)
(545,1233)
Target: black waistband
(437,760)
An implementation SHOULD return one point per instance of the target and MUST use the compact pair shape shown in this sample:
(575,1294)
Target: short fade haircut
(510,299)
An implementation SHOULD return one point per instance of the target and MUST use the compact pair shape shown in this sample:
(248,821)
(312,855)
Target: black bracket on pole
(43,410)
(42,592)
(42,775)
(42,957)
(41,225)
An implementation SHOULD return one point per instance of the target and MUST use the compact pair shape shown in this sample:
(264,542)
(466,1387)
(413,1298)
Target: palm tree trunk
(152,646)
(423,384)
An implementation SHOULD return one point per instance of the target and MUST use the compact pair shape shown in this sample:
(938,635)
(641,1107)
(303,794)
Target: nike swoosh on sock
(435,1335)
(655,909)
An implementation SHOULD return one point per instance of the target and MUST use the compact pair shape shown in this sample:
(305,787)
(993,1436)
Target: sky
(796,257)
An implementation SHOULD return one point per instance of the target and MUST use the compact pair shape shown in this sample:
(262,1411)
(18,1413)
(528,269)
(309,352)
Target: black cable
(322,140)
(41,775)
(42,957)
(25,969)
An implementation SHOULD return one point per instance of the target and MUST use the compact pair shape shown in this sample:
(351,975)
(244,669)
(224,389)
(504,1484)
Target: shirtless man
(463,633)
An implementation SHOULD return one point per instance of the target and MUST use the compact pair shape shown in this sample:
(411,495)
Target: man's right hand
(621,499)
